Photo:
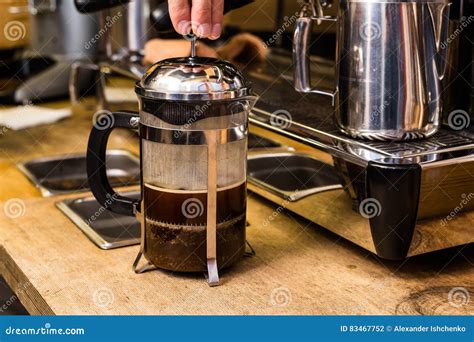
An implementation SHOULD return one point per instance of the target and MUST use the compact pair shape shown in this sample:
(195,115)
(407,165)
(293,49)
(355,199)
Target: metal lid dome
(192,78)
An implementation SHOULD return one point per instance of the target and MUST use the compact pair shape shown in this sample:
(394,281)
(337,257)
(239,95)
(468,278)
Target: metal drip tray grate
(442,140)
(324,135)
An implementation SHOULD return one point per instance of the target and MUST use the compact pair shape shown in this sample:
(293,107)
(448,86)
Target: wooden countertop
(298,269)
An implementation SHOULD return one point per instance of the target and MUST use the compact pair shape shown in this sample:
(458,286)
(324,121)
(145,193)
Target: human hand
(202,17)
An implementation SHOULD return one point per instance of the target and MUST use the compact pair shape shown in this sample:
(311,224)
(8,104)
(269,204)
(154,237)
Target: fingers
(180,15)
(201,17)
(204,17)
(217,17)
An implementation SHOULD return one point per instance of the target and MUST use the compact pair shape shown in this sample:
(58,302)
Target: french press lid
(193,79)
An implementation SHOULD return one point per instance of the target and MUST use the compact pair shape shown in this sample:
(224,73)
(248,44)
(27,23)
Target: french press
(193,127)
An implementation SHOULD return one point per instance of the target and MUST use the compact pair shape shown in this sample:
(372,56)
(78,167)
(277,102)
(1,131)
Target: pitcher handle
(77,70)
(96,162)
(301,41)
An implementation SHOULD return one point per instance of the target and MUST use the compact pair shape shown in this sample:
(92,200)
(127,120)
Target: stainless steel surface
(389,72)
(38,6)
(180,137)
(212,273)
(211,219)
(78,69)
(193,45)
(126,29)
(105,71)
(333,210)
(51,83)
(138,24)
(444,145)
(337,211)
(67,174)
(291,176)
(147,265)
(59,30)
(125,68)
(193,79)
(131,30)
(446,162)
(256,142)
(103,227)
(301,41)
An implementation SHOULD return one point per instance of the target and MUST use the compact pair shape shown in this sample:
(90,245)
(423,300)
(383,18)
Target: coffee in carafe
(176,223)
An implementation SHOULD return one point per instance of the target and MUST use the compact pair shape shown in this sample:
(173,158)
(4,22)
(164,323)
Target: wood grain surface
(299,268)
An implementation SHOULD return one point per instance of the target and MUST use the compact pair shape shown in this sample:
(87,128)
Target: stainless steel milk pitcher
(390,61)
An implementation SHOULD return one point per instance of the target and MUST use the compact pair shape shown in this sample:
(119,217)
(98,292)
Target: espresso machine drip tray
(441,141)
(309,118)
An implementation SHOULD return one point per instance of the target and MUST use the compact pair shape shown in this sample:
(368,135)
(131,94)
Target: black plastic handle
(96,159)
(161,20)
(90,6)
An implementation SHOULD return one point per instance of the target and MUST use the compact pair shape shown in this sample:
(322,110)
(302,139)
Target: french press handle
(301,42)
(96,161)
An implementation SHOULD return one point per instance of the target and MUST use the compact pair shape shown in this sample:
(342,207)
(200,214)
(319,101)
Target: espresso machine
(125,29)
(384,148)
(59,37)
